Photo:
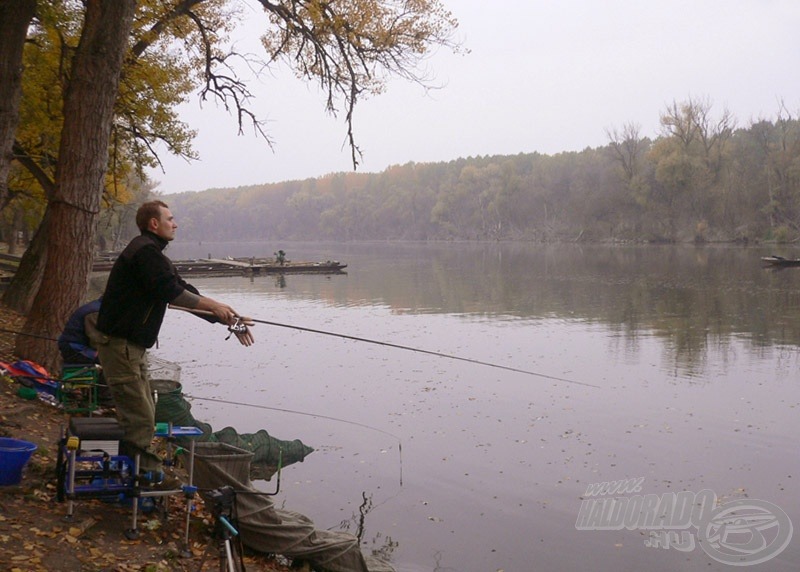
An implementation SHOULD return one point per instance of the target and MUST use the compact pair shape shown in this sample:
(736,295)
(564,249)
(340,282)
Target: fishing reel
(237,328)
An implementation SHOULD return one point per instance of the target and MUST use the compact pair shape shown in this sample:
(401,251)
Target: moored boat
(780,261)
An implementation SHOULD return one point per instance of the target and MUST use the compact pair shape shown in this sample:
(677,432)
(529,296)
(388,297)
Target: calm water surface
(446,465)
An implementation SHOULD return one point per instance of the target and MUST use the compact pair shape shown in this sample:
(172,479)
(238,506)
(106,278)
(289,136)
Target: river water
(675,368)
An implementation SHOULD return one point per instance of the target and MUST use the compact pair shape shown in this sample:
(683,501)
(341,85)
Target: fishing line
(401,347)
(295,412)
(317,415)
(356,423)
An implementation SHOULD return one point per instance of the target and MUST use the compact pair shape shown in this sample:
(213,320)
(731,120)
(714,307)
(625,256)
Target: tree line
(700,179)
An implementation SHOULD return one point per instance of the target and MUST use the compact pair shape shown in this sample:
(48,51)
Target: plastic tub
(14,455)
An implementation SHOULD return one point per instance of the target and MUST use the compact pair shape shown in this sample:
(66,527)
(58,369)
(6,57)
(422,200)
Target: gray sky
(546,76)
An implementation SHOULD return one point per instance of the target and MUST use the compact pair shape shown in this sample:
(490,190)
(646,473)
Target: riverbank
(34,535)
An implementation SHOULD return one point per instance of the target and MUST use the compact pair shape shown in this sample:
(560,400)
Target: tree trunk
(20,293)
(71,215)
(15,16)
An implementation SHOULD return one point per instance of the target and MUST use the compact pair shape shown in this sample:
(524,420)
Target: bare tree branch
(34,168)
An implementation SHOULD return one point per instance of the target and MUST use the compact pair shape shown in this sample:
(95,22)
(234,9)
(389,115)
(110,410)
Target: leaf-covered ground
(34,534)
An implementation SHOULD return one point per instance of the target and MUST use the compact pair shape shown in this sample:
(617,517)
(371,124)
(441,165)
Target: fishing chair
(90,466)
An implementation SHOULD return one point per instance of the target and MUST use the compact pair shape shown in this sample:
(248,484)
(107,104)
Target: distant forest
(702,179)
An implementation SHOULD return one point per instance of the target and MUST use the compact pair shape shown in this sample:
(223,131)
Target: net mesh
(268,451)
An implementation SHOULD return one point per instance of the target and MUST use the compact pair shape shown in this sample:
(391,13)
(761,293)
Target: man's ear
(152,224)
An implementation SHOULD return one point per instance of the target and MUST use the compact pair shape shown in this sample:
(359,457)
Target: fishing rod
(361,339)
(49,338)
(397,346)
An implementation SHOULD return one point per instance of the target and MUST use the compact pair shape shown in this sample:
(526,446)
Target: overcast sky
(541,75)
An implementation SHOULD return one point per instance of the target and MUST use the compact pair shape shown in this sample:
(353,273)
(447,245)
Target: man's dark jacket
(143,281)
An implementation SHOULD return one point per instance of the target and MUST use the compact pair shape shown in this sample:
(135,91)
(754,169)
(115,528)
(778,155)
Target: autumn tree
(151,85)
(70,221)
(628,149)
(688,160)
(780,145)
(15,16)
(349,47)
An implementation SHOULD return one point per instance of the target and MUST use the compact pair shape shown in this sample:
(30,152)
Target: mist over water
(448,465)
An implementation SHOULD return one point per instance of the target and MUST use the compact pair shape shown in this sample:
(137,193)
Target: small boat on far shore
(780,261)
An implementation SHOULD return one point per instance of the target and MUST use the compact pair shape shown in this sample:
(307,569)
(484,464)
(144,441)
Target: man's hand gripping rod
(239,328)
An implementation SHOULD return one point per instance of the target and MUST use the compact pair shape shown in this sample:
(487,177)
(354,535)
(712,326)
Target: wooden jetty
(242,267)
(206,266)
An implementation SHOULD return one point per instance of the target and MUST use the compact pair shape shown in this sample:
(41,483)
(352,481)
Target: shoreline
(36,537)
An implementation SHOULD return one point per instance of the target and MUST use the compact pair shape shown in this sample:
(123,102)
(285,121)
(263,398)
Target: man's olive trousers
(125,369)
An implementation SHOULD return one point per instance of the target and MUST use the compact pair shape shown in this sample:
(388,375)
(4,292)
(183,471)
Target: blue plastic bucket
(14,455)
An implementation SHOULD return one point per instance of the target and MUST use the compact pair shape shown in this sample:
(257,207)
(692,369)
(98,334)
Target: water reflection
(695,351)
(380,545)
(686,296)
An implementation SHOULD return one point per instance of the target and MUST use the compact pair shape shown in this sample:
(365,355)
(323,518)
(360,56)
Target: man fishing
(142,282)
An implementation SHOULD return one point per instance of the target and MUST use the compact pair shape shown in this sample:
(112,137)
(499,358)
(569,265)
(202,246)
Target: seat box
(97,434)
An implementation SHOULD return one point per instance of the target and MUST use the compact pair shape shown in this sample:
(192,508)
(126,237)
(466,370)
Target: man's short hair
(148,210)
